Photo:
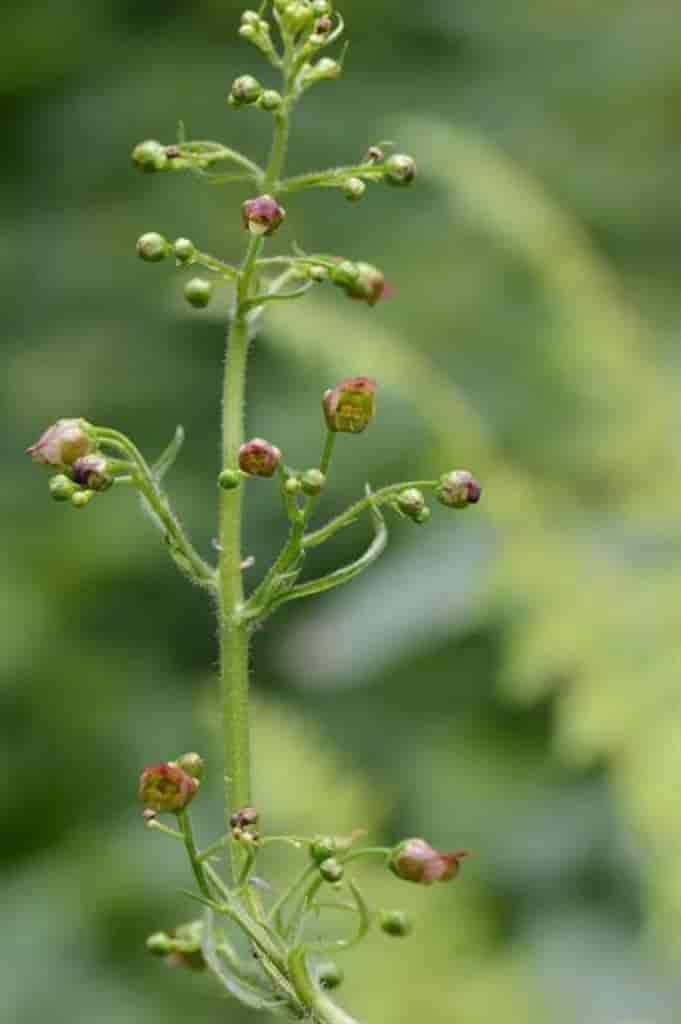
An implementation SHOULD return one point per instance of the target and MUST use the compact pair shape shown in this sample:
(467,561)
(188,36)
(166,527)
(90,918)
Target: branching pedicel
(281,970)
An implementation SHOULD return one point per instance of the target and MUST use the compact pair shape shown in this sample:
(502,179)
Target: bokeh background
(506,680)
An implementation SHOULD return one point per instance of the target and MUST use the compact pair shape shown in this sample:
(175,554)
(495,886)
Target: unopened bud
(229,479)
(152,247)
(79,499)
(62,488)
(262,215)
(193,764)
(245,89)
(270,100)
(63,443)
(459,489)
(292,485)
(331,870)
(297,15)
(400,169)
(244,817)
(375,155)
(92,471)
(159,944)
(150,156)
(321,7)
(322,848)
(395,922)
(326,68)
(415,860)
(323,25)
(312,482)
(184,250)
(166,788)
(317,273)
(250,18)
(345,274)
(423,516)
(354,188)
(369,285)
(198,292)
(329,975)
(411,502)
(351,405)
(258,457)
(248,32)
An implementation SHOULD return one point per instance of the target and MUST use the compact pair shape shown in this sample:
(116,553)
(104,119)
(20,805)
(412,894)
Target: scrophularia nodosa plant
(275,965)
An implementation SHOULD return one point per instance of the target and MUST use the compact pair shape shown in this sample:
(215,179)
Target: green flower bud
(258,457)
(423,516)
(354,188)
(345,274)
(329,975)
(317,273)
(245,90)
(166,788)
(400,169)
(459,489)
(312,481)
(270,100)
(320,8)
(351,405)
(82,498)
(92,471)
(375,155)
(331,870)
(159,944)
(326,68)
(62,488)
(395,922)
(193,764)
(198,292)
(298,15)
(322,848)
(63,443)
(250,18)
(292,485)
(248,32)
(369,286)
(184,250)
(229,479)
(152,247)
(411,502)
(150,156)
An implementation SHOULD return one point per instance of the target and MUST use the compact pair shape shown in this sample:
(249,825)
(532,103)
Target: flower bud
(297,15)
(270,100)
(351,405)
(193,764)
(400,169)
(62,488)
(329,975)
(411,502)
(250,18)
(325,68)
(345,274)
(249,33)
(79,499)
(395,922)
(184,250)
(423,516)
(258,457)
(458,489)
(323,25)
(92,471)
(317,273)
(321,7)
(244,817)
(312,481)
(198,292)
(152,247)
(369,286)
(165,787)
(322,848)
(375,155)
(63,443)
(150,156)
(262,215)
(354,188)
(245,89)
(415,860)
(229,479)
(159,944)
(331,870)
(292,485)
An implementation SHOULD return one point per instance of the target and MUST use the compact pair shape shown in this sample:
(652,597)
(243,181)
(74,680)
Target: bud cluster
(242,824)
(70,446)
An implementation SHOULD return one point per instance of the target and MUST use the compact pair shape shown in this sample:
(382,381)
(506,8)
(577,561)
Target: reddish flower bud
(415,860)
(351,405)
(258,457)
(165,787)
(92,471)
(361,281)
(262,215)
(459,489)
(63,443)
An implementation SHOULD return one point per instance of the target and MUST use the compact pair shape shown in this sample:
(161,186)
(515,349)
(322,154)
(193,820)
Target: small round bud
(317,273)
(270,100)
(375,155)
(395,922)
(369,286)
(250,18)
(415,860)
(63,443)
(297,15)
(327,68)
(152,247)
(247,32)
(92,471)
(345,274)
(184,250)
(229,479)
(166,788)
(312,481)
(198,292)
(258,457)
(458,489)
(193,764)
(149,816)
(354,188)
(262,215)
(321,7)
(322,848)
(82,498)
(323,25)
(245,89)
(423,516)
(351,405)
(329,975)
(331,870)
(150,156)
(159,944)
(411,502)
(292,485)
(248,816)
(400,169)
(62,488)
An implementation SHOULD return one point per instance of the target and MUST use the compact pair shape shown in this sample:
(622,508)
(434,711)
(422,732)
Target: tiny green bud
(152,247)
(250,18)
(345,274)
(229,479)
(198,292)
(322,848)
(321,7)
(150,156)
(459,489)
(82,498)
(331,870)
(159,944)
(369,286)
(326,68)
(312,481)
(249,33)
(395,922)
(423,516)
(329,975)
(317,273)
(297,15)
(62,488)
(270,100)
(292,485)
(193,764)
(400,169)
(411,502)
(245,89)
(354,188)
(183,250)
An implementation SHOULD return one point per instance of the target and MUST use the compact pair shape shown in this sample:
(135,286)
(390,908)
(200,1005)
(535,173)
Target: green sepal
(168,455)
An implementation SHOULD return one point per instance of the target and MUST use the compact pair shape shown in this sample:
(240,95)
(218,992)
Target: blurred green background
(506,680)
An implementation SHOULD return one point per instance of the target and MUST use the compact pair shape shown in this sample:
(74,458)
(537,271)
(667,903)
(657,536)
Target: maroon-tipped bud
(244,818)
(166,788)
(63,443)
(415,860)
(351,405)
(262,215)
(369,286)
(258,457)
(459,489)
(375,155)
(323,25)
(92,471)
